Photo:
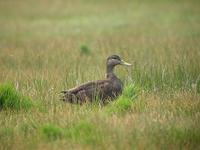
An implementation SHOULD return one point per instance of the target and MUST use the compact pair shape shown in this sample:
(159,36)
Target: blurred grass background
(47,46)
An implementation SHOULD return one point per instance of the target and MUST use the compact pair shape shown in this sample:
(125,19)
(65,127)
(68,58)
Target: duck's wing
(88,85)
(86,90)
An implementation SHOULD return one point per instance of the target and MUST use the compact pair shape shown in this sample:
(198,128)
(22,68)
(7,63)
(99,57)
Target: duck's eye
(116,58)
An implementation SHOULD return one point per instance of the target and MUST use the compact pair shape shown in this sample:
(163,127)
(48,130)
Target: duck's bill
(125,63)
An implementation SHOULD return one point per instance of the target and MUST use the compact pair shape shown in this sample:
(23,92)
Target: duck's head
(114,60)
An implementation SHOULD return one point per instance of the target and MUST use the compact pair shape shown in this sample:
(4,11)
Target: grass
(6,137)
(84,132)
(52,132)
(120,105)
(12,99)
(46,47)
(124,103)
(84,49)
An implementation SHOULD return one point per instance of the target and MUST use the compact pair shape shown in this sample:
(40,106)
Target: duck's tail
(68,97)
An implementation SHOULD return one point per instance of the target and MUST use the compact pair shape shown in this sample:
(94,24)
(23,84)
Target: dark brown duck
(109,88)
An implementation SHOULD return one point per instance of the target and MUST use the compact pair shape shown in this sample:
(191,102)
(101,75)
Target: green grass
(84,49)
(6,137)
(52,132)
(125,101)
(84,132)
(120,105)
(47,46)
(10,98)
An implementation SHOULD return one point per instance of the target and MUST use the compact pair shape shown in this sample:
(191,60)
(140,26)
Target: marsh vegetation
(48,46)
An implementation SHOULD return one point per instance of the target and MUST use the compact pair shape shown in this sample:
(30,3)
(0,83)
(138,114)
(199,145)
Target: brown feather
(108,88)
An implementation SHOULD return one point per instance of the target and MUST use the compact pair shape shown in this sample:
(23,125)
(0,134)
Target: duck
(102,90)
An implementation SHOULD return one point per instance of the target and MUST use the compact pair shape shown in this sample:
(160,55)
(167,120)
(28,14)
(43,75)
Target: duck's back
(101,89)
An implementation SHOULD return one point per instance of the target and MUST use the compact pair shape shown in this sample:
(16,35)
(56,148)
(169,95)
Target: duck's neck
(109,72)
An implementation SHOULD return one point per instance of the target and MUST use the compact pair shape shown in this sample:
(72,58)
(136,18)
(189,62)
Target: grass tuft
(131,91)
(184,135)
(84,132)
(124,102)
(52,132)
(10,98)
(121,105)
(84,49)
(6,133)
(6,138)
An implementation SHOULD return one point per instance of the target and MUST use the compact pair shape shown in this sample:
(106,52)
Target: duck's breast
(117,87)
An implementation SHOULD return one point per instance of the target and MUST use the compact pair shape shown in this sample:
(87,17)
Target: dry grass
(47,46)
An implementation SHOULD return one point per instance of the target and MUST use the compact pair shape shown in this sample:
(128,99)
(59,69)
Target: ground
(47,46)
